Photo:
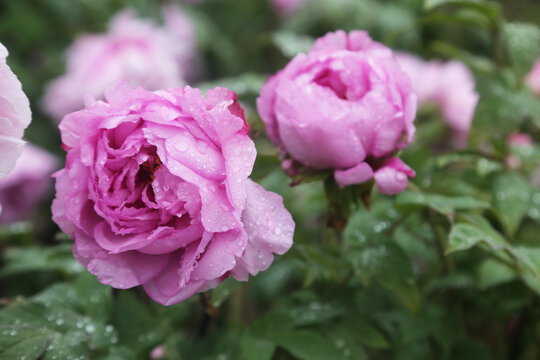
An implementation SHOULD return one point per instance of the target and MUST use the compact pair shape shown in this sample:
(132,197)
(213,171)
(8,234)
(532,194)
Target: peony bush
(340,180)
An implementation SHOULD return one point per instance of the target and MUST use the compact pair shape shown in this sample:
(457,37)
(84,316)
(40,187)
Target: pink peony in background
(155,192)
(134,50)
(346,105)
(286,7)
(15,115)
(22,189)
(533,78)
(448,85)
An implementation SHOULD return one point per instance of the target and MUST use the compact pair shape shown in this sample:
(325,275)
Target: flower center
(148,168)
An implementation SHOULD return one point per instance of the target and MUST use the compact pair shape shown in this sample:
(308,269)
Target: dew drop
(181,146)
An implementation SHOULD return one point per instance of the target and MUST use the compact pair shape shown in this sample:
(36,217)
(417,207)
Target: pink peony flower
(286,7)
(134,50)
(448,85)
(533,78)
(29,182)
(15,115)
(345,105)
(519,139)
(155,192)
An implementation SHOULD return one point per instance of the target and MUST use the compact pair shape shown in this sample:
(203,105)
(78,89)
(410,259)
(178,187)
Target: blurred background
(238,44)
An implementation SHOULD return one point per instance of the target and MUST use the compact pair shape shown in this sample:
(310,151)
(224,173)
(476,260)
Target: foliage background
(449,269)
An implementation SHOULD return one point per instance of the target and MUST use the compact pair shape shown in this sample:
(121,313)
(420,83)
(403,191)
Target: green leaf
(66,333)
(307,345)
(529,261)
(314,313)
(465,236)
(87,296)
(525,259)
(17,342)
(264,165)
(491,273)
(476,63)
(255,348)
(36,258)
(347,341)
(446,205)
(221,293)
(512,195)
(373,255)
(490,9)
(291,44)
(389,265)
(363,332)
(245,84)
(534,206)
(318,263)
(523,41)
(137,327)
(482,165)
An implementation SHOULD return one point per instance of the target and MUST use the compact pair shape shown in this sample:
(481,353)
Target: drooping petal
(269,227)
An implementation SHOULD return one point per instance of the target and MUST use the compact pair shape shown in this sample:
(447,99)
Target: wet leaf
(512,195)
(523,41)
(443,204)
(254,348)
(291,44)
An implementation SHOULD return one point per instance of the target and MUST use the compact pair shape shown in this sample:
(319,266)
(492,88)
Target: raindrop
(90,328)
(202,146)
(181,146)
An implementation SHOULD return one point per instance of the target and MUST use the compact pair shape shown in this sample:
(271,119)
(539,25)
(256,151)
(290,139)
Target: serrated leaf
(291,44)
(512,195)
(523,41)
(443,204)
(255,348)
